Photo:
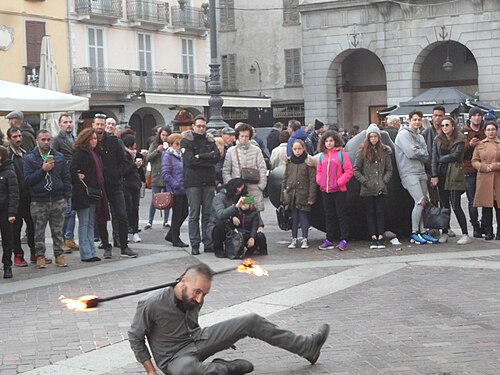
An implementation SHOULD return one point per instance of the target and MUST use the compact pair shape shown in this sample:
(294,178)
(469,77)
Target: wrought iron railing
(189,18)
(124,81)
(148,11)
(106,8)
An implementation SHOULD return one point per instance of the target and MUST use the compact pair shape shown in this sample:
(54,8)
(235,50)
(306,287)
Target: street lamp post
(252,71)
(215,101)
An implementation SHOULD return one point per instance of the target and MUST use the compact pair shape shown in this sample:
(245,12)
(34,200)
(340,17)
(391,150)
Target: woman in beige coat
(486,160)
(249,156)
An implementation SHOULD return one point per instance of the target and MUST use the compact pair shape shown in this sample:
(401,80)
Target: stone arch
(428,69)
(354,90)
(142,121)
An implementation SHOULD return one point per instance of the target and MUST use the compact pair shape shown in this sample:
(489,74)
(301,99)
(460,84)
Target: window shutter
(296,67)
(293,69)
(232,71)
(227,20)
(34,34)
(228,65)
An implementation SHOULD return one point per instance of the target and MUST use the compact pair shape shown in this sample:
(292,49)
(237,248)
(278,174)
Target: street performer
(168,318)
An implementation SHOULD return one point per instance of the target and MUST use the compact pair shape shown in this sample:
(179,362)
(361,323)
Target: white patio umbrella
(48,80)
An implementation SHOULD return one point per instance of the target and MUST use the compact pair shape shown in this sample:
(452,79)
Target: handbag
(250,175)
(436,217)
(234,244)
(92,192)
(284,218)
(163,201)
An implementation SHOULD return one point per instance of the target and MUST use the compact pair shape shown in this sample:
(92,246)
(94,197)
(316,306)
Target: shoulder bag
(436,217)
(163,201)
(92,192)
(234,244)
(250,175)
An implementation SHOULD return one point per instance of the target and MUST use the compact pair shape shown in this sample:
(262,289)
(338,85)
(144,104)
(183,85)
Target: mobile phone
(249,200)
(50,158)
(477,136)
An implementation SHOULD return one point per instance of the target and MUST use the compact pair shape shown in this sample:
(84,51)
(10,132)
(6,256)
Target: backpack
(341,158)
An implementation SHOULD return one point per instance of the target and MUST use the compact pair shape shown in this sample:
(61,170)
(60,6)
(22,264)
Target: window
(188,62)
(34,34)
(293,74)
(290,12)
(144,52)
(96,47)
(227,15)
(228,72)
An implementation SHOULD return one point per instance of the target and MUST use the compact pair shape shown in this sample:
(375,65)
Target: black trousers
(6,230)
(179,215)
(132,200)
(117,204)
(23,213)
(375,211)
(335,206)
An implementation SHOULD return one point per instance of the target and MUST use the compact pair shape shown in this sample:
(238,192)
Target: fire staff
(168,318)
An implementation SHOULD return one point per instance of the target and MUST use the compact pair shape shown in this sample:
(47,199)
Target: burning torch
(92,301)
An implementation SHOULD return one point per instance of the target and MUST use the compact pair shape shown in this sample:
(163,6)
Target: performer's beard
(186,302)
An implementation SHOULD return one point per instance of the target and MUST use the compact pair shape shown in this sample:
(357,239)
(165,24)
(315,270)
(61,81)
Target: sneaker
(71,244)
(342,245)
(443,238)
(373,244)
(136,238)
(318,339)
(451,234)
(19,261)
(395,241)
(237,366)
(107,253)
(464,240)
(7,272)
(380,244)
(326,245)
(40,262)
(66,249)
(60,261)
(166,225)
(293,244)
(34,260)
(304,244)
(430,239)
(147,226)
(128,253)
(417,239)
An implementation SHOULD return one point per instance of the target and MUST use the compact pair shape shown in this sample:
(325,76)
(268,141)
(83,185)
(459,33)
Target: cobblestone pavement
(408,310)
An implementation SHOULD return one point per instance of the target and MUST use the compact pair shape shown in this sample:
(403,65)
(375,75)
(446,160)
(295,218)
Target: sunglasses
(445,125)
(100,115)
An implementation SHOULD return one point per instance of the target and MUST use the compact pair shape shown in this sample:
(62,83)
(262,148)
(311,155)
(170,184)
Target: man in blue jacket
(47,175)
(296,132)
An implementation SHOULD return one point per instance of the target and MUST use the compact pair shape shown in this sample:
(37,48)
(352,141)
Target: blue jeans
(152,209)
(470,191)
(69,222)
(86,232)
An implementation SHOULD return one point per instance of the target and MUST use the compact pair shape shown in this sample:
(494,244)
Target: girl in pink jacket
(332,174)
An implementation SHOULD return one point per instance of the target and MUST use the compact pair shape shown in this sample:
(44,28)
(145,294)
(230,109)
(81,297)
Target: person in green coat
(299,191)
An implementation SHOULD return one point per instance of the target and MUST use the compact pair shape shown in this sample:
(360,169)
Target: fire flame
(249,266)
(79,304)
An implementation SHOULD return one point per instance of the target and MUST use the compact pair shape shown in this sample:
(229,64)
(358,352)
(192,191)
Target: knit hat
(318,124)
(474,111)
(490,116)
(372,129)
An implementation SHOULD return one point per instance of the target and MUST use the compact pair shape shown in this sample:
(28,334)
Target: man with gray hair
(393,124)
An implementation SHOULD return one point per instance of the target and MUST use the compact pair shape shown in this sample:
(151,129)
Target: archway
(142,122)
(358,92)
(445,64)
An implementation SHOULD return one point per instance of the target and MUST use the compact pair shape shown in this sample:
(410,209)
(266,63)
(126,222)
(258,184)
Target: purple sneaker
(326,245)
(342,245)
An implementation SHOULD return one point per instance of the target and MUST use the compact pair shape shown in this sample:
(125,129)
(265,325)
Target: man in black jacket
(199,159)
(273,139)
(63,142)
(113,159)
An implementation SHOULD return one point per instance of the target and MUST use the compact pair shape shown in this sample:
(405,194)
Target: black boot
(7,272)
(477,233)
(497,237)
(489,234)
(236,367)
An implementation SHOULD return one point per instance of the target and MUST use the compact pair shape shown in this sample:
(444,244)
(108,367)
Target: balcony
(148,14)
(88,80)
(189,20)
(99,11)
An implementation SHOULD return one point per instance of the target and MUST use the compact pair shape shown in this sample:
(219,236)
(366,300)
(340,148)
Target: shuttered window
(34,34)
(293,69)
(226,18)
(290,12)
(228,72)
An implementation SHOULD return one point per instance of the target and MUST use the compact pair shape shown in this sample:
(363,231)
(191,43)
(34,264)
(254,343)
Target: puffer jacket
(172,173)
(199,157)
(47,186)
(9,190)
(299,185)
(373,177)
(331,174)
(223,208)
(300,134)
